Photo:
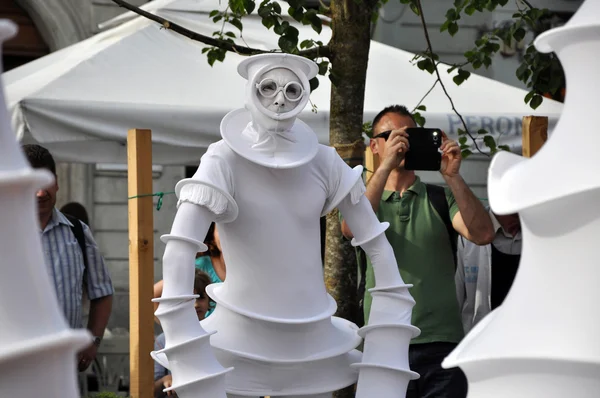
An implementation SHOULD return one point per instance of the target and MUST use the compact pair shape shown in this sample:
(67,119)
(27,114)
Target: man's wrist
(97,340)
(455,178)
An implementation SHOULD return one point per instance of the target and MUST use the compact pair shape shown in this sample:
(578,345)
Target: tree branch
(426,94)
(439,78)
(315,52)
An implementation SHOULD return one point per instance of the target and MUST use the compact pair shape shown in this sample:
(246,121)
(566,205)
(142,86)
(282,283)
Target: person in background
(485,274)
(211,262)
(425,246)
(73,260)
(162,377)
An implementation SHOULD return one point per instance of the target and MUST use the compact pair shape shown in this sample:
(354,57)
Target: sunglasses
(385,135)
(292,91)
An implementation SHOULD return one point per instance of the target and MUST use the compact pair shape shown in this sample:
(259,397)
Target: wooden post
(535,133)
(371,163)
(141,263)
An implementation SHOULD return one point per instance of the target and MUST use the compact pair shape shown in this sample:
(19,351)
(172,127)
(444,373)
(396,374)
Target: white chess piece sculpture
(543,341)
(37,348)
(266,184)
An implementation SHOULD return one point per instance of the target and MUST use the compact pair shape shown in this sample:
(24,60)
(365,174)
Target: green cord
(159,194)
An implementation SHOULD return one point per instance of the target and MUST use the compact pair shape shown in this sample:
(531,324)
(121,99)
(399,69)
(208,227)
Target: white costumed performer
(266,184)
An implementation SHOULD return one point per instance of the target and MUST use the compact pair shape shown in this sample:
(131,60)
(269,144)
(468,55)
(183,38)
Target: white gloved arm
(369,234)
(185,240)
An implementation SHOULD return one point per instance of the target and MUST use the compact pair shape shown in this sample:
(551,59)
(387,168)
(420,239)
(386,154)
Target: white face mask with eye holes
(279,91)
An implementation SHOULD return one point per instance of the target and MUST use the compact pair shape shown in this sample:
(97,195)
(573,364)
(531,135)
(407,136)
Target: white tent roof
(80,101)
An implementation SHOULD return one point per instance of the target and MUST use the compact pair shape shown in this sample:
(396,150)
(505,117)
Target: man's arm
(472,220)
(394,152)
(100,309)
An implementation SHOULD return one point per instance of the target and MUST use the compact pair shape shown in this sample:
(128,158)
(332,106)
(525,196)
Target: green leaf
(451,14)
(482,132)
(296,13)
(237,23)
(529,96)
(422,107)
(426,64)
(521,70)
(466,153)
(323,66)
(269,21)
(536,101)
(213,13)
(306,44)
(316,23)
(217,18)
(281,28)
(504,147)
(414,8)
(462,140)
(519,34)
(461,76)
(420,120)
(276,8)
(470,10)
(249,5)
(314,83)
(490,142)
(205,50)
(452,28)
(288,43)
(230,34)
(237,6)
(444,26)
(461,132)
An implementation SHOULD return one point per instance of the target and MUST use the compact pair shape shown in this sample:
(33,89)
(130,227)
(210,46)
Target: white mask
(279,90)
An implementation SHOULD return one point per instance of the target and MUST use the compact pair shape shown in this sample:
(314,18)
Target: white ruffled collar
(285,149)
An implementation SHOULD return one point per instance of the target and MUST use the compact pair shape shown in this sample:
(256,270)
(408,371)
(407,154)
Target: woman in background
(210,262)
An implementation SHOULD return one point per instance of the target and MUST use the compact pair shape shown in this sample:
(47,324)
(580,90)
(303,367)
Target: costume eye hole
(268,88)
(293,91)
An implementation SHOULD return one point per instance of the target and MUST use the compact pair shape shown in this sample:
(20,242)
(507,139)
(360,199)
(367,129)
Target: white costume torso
(274,284)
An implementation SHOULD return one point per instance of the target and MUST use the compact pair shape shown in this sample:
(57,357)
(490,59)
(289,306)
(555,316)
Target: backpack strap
(437,198)
(77,230)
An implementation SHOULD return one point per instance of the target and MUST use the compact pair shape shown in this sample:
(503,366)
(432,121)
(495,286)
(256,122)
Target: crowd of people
(460,257)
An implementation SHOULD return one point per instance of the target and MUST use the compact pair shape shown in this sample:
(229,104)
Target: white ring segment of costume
(543,340)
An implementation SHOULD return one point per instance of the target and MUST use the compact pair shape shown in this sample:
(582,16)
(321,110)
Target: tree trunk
(351,23)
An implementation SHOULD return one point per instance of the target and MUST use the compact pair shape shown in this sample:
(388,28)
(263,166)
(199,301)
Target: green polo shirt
(425,259)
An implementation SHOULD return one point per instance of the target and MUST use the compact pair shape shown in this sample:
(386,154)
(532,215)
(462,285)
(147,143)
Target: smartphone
(424,151)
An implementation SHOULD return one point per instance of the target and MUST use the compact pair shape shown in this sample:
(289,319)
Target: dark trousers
(435,381)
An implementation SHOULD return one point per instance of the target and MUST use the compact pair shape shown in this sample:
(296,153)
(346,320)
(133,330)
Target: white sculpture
(266,184)
(37,348)
(543,340)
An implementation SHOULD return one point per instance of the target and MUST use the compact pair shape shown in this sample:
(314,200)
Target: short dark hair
(400,110)
(211,242)
(39,157)
(77,210)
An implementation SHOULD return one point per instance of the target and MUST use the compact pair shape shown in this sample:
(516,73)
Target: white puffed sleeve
(212,185)
(342,181)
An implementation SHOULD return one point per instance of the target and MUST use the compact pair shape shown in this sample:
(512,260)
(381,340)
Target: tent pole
(535,133)
(141,263)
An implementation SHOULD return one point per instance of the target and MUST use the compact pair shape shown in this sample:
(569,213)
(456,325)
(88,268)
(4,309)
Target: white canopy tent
(80,101)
